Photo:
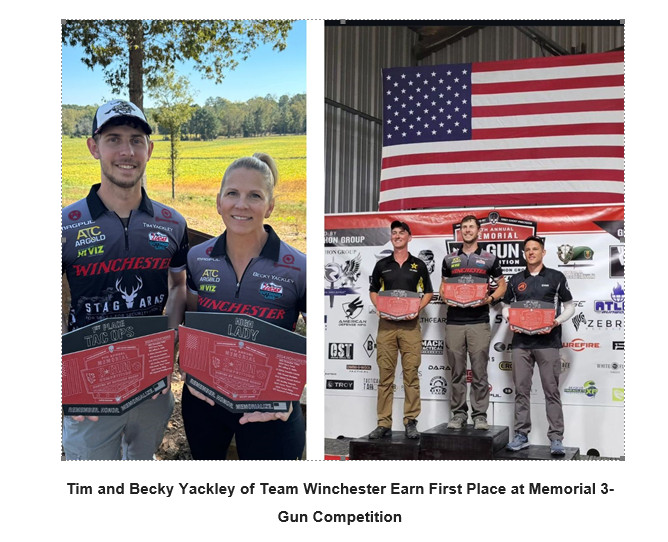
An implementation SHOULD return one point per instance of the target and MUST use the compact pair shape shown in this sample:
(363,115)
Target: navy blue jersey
(272,288)
(116,270)
(479,263)
(548,285)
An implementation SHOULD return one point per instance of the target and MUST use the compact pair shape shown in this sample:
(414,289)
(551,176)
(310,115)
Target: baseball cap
(402,225)
(116,109)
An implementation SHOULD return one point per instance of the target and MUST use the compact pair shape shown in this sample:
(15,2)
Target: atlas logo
(340,350)
(615,306)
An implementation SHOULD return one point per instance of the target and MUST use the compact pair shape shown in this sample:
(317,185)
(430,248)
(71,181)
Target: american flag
(541,131)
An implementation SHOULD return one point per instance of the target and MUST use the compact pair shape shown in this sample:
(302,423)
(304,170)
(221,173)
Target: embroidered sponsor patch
(269,290)
(158,240)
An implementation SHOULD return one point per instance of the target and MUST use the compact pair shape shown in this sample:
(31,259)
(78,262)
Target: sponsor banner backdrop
(584,243)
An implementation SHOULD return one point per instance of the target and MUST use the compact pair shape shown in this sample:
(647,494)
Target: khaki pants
(396,337)
(472,339)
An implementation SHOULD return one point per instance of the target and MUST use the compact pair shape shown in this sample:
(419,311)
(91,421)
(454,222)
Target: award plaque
(242,363)
(465,290)
(531,317)
(398,304)
(115,364)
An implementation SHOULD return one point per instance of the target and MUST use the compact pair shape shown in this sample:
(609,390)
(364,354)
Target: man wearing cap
(538,283)
(399,271)
(123,255)
(467,329)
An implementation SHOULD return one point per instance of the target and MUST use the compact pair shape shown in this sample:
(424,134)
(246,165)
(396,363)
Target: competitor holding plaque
(467,328)
(399,332)
(123,255)
(247,270)
(537,283)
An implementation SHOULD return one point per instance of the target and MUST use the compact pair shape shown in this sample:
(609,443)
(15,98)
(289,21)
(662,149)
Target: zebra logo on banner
(617,261)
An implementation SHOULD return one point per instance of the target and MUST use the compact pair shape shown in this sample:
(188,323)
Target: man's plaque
(398,304)
(115,364)
(531,317)
(465,290)
(242,363)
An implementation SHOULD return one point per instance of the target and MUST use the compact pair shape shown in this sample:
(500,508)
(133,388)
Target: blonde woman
(246,257)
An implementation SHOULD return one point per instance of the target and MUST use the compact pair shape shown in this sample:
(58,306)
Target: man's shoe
(518,443)
(557,448)
(457,422)
(411,429)
(480,422)
(379,432)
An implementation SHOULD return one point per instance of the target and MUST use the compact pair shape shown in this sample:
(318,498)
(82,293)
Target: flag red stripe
(492,200)
(454,179)
(538,153)
(549,62)
(540,85)
(543,131)
(547,107)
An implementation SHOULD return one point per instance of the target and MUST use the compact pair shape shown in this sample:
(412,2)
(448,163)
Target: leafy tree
(204,123)
(174,107)
(135,53)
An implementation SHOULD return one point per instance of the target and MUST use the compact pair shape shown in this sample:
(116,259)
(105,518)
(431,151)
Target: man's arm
(176,298)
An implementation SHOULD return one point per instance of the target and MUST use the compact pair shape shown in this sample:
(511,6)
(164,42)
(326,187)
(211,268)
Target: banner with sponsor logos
(585,243)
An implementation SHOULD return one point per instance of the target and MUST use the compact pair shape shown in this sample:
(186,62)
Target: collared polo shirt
(548,285)
(412,275)
(479,263)
(115,270)
(272,287)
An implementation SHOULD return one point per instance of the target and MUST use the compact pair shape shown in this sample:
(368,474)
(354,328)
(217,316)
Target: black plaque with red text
(115,364)
(531,317)
(465,290)
(242,363)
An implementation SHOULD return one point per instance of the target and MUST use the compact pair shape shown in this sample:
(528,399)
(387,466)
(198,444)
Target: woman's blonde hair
(259,162)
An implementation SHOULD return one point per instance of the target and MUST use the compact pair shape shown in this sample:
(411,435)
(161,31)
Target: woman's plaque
(398,304)
(115,364)
(465,290)
(531,317)
(243,363)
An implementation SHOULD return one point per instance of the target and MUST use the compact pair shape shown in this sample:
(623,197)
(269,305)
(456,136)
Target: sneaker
(480,422)
(411,429)
(557,448)
(457,421)
(518,443)
(379,432)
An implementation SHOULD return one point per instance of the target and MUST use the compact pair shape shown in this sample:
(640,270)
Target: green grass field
(201,169)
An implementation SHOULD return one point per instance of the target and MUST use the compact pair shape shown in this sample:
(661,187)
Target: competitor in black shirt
(258,275)
(122,255)
(538,283)
(399,271)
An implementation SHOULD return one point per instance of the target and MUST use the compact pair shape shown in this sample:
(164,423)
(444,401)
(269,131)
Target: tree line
(218,117)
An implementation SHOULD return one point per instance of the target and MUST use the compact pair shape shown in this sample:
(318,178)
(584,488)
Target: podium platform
(394,446)
(466,443)
(441,443)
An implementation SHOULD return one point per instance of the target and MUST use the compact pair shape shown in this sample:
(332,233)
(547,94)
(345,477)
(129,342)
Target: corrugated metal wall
(354,57)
